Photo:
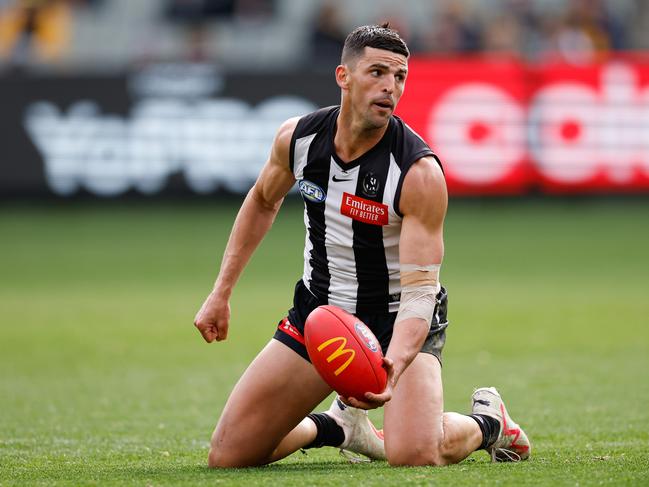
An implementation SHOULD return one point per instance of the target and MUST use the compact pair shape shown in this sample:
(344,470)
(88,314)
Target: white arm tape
(418,301)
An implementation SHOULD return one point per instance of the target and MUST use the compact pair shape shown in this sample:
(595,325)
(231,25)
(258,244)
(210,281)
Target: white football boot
(512,444)
(360,434)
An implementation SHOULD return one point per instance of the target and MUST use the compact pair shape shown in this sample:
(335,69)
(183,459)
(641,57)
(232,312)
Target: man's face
(376,82)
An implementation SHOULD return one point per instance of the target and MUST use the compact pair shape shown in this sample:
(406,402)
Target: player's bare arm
(423,203)
(253,221)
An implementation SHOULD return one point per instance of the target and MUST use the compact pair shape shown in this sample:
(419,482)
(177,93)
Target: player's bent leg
(416,430)
(259,423)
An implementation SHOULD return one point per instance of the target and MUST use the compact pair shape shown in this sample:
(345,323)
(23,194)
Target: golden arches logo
(338,352)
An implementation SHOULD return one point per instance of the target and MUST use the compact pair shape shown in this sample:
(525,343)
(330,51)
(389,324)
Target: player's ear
(342,76)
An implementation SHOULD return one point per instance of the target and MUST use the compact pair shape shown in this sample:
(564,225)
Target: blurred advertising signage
(214,143)
(501,127)
(162,128)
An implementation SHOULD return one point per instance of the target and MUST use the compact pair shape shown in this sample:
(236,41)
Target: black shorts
(291,329)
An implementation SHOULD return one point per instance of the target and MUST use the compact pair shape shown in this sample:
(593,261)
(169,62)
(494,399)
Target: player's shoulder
(407,145)
(316,121)
(285,131)
(424,186)
(297,127)
(305,124)
(426,171)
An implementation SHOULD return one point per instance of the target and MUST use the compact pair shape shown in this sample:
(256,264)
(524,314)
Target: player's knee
(423,459)
(417,456)
(223,454)
(222,458)
(218,458)
(214,459)
(228,454)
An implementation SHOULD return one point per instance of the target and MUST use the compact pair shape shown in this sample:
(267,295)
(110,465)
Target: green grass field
(104,380)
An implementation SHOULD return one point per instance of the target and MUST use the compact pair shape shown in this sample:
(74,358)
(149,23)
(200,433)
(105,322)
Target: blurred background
(113,97)
(130,131)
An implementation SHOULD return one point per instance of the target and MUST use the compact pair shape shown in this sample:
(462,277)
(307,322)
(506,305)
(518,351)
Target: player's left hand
(373,401)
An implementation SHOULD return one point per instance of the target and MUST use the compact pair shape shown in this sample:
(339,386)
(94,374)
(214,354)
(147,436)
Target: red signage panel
(502,127)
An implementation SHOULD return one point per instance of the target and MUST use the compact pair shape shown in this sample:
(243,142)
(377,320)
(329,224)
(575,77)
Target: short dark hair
(377,36)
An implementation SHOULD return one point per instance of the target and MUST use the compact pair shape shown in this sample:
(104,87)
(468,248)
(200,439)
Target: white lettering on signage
(213,143)
(577,131)
(480,131)
(571,131)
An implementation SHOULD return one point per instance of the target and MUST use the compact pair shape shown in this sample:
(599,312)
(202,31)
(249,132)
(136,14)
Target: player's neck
(353,139)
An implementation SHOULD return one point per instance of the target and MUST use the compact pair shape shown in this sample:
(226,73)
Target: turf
(104,381)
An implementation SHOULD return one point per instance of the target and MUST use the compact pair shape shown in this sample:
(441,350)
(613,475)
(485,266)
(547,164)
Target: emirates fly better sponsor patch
(362,210)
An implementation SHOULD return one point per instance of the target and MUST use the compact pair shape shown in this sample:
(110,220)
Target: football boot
(512,444)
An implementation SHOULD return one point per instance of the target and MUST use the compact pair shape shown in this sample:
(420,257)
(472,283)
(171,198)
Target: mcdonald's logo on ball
(345,352)
(341,350)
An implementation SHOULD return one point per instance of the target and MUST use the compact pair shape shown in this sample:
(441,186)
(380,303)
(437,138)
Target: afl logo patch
(311,191)
(366,336)
(371,185)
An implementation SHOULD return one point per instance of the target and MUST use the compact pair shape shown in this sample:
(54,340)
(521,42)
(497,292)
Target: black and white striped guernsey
(351,212)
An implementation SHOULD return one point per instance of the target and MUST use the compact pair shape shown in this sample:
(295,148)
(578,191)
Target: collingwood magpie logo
(311,191)
(371,185)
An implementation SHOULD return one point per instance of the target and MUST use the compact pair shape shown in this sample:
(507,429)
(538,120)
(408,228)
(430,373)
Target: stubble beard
(372,125)
(373,122)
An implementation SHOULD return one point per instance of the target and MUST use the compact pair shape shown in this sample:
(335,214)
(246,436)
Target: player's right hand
(213,319)
(373,401)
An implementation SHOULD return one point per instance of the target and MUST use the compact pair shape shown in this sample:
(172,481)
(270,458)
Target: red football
(345,352)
